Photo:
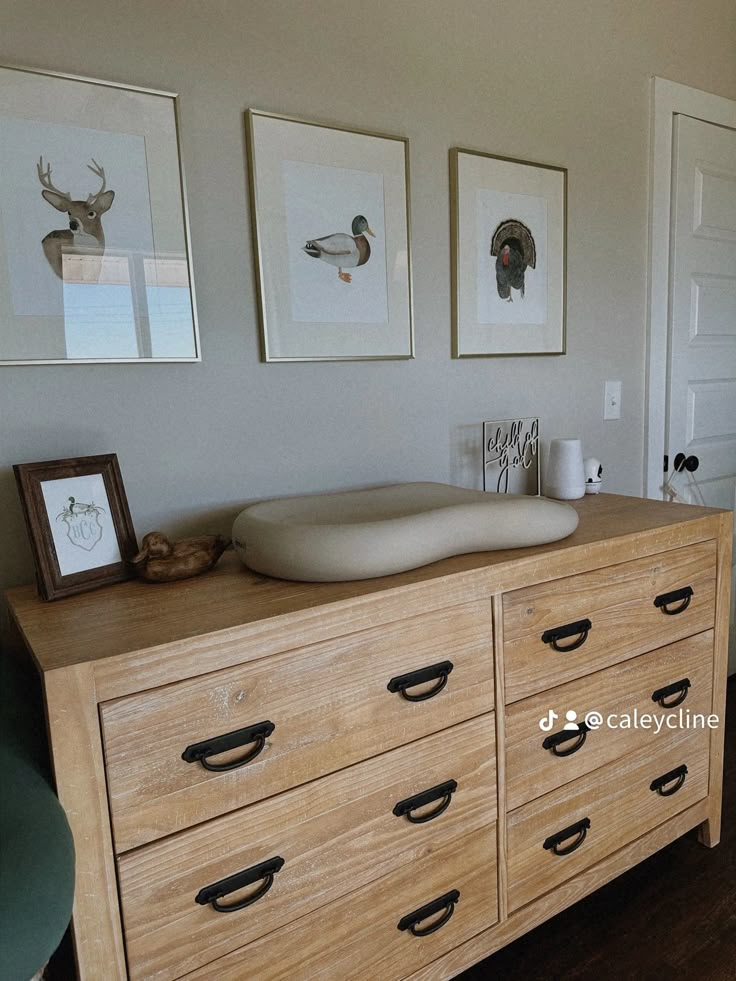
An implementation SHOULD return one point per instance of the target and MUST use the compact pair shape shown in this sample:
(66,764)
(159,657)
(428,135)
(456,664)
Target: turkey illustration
(515,251)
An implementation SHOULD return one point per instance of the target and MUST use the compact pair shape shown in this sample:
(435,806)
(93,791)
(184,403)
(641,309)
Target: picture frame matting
(498,201)
(46,325)
(307,178)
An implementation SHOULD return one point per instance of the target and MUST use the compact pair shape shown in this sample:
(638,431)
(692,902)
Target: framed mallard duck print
(330,219)
(508,255)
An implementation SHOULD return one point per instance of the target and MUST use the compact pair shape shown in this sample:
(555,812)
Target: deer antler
(45,177)
(98,172)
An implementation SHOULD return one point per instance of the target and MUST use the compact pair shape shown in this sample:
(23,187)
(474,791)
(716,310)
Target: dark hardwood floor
(673,916)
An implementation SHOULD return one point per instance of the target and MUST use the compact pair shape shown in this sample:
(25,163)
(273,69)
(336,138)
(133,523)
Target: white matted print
(36,289)
(94,250)
(526,302)
(508,255)
(330,213)
(81,523)
(322,203)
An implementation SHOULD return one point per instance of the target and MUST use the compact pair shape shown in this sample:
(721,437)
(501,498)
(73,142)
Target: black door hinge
(666,462)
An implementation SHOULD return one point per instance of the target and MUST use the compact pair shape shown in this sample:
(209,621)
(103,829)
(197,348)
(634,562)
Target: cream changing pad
(377,532)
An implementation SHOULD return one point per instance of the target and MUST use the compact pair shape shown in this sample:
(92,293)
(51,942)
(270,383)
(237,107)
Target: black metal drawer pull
(411,920)
(683,596)
(212,894)
(558,738)
(403,681)
(554,841)
(556,634)
(442,792)
(678,688)
(678,775)
(200,752)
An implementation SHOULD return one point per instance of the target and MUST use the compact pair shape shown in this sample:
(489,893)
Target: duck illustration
(342,250)
(161,560)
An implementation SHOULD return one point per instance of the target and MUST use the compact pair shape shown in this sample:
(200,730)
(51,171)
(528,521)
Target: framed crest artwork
(330,218)
(78,523)
(508,255)
(95,260)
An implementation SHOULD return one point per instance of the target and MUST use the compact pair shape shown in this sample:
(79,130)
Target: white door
(701,409)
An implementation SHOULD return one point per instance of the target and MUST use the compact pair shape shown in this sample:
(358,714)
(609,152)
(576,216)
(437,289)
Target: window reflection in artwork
(122,306)
(169,304)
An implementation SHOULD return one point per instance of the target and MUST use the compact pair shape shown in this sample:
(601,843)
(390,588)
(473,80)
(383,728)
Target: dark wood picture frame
(52,584)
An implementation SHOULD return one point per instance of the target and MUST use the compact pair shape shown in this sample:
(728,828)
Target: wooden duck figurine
(160,560)
(342,250)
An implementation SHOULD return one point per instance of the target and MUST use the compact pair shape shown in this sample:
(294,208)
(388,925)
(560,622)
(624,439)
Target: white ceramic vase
(565,477)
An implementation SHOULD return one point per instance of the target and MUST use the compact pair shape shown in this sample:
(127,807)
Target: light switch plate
(612,400)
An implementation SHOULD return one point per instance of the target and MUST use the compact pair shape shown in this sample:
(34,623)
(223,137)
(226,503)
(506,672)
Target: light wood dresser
(274,780)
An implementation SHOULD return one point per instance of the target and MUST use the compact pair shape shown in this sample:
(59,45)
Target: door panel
(713,307)
(715,201)
(711,411)
(701,395)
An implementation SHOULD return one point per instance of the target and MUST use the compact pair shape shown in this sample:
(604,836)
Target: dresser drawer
(358,937)
(533,766)
(333,835)
(313,710)
(627,611)
(616,802)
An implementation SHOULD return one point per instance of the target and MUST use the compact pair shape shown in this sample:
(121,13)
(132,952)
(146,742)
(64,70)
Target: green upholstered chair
(36,847)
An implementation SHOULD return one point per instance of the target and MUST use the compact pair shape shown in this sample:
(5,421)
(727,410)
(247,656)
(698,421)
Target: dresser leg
(709,832)
(76,750)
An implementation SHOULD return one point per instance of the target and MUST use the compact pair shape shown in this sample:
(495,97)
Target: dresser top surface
(136,616)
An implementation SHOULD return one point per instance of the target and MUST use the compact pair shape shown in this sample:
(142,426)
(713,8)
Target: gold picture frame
(136,260)
(306,312)
(496,203)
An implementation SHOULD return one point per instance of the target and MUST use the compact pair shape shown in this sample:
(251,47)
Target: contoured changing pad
(377,532)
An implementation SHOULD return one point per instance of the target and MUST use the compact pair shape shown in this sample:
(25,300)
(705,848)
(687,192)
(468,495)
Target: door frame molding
(667,100)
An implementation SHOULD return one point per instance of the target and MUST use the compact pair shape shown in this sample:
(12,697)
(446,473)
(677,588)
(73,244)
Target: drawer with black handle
(553,838)
(387,929)
(198,895)
(631,706)
(202,747)
(560,630)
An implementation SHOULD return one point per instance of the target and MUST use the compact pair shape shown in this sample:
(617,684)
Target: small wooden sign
(511,456)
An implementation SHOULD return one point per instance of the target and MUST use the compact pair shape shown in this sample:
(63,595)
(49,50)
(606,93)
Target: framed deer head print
(95,260)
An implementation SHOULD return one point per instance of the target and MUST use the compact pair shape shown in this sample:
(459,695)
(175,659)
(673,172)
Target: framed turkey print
(330,218)
(78,523)
(508,255)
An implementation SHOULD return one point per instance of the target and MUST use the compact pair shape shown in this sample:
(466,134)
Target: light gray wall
(564,82)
